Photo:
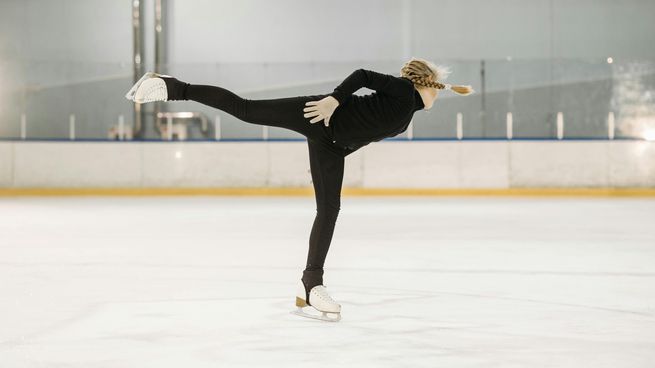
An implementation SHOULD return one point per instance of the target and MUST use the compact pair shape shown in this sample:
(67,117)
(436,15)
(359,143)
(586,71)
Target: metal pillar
(138,52)
(161,39)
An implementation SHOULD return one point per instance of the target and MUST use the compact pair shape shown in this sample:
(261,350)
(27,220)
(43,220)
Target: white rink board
(390,164)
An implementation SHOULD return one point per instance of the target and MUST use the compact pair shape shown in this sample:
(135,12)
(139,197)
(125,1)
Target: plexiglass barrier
(514,99)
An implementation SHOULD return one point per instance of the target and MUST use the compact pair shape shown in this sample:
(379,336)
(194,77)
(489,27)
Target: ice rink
(157,282)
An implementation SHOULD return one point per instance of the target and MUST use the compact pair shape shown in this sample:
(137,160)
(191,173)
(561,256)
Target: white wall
(219,31)
(209,31)
(66,30)
(387,164)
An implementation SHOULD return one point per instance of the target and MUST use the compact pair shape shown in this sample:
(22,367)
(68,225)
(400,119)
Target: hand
(321,110)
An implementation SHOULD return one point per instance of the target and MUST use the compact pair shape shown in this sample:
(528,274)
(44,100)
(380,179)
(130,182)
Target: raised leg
(284,112)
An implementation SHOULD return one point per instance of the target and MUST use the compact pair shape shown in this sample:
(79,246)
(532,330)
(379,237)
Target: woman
(349,123)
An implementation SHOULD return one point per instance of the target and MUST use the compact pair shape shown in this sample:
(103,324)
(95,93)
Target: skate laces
(322,293)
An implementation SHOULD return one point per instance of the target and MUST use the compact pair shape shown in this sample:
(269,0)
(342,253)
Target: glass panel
(41,99)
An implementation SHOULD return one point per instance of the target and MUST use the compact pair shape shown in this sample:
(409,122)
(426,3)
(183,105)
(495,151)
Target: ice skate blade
(322,317)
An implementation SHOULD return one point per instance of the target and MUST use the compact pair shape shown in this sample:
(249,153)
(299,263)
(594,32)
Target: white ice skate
(148,89)
(320,300)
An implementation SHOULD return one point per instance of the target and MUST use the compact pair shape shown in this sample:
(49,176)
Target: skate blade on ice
(324,316)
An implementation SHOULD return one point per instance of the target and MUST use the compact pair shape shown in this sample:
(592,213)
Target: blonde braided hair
(424,73)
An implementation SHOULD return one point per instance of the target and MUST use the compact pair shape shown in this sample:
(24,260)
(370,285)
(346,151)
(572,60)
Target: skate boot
(156,87)
(319,299)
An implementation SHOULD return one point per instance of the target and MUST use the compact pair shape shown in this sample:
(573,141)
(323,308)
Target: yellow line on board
(309,191)
(576,192)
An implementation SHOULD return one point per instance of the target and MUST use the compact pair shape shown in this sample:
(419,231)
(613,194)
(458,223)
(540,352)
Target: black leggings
(326,159)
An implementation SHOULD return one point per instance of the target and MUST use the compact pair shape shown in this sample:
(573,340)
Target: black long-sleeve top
(360,120)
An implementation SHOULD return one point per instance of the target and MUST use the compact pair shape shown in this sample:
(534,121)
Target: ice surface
(423,282)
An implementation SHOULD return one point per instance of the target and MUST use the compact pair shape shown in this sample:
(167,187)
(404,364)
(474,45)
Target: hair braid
(424,73)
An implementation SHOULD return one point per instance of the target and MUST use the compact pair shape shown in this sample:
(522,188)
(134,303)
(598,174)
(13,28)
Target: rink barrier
(393,167)
(309,191)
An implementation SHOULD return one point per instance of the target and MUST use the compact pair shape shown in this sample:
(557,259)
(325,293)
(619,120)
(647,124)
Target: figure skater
(349,123)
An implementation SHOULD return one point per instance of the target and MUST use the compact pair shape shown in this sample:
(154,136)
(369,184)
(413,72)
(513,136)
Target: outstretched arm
(384,83)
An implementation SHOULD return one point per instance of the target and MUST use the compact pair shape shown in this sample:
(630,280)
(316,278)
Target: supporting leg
(327,168)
